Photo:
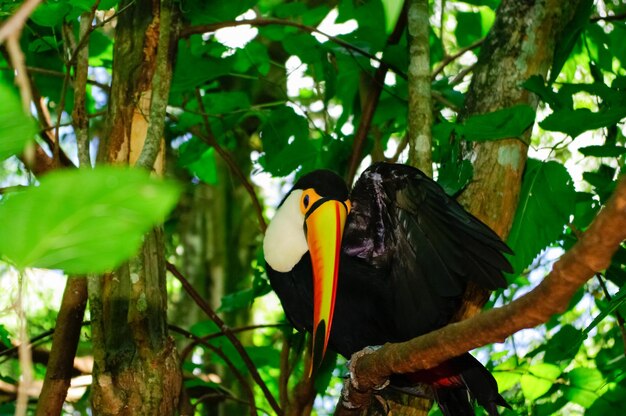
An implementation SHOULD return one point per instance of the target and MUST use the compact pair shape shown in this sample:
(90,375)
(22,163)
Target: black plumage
(407,254)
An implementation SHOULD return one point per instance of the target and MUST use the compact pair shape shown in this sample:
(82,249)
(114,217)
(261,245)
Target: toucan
(385,262)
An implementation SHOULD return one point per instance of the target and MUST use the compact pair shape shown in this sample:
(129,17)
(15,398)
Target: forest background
(515,107)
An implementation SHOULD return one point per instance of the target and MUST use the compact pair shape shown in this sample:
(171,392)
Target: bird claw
(352,363)
(351,389)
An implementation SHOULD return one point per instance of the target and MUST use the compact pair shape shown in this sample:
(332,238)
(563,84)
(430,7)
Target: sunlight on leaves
(83,221)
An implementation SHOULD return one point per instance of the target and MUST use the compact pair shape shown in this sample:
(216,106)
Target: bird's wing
(403,222)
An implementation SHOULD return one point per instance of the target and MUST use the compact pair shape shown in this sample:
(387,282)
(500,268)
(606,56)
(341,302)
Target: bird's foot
(351,383)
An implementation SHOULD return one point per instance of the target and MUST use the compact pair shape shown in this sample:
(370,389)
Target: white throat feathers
(285,243)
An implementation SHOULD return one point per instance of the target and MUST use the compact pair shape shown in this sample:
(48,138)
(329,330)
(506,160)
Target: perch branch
(590,254)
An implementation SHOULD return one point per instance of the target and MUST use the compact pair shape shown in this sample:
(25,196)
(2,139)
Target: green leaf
(51,13)
(612,403)
(83,221)
(563,345)
(585,386)
(500,124)
(546,202)
(237,300)
(392,9)
(286,143)
(506,379)
(602,180)
(606,150)
(454,177)
(204,12)
(253,55)
(617,301)
(575,122)
(205,167)
(468,29)
(537,85)
(5,337)
(16,128)
(569,37)
(191,70)
(539,380)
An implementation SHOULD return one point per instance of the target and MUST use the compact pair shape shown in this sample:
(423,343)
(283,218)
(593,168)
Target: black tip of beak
(317,352)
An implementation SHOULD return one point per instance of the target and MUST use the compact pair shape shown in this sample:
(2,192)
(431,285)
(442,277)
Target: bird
(384,262)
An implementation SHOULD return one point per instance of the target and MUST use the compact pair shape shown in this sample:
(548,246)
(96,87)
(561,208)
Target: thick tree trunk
(520,44)
(136,367)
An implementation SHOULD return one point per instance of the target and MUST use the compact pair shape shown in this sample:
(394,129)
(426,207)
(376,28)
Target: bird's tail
(458,382)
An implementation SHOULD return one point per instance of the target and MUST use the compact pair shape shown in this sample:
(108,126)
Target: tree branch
(244,383)
(610,18)
(449,58)
(168,25)
(212,27)
(16,22)
(371,102)
(589,255)
(64,346)
(227,333)
(189,348)
(81,68)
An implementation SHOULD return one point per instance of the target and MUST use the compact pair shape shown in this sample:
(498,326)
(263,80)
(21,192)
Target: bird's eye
(308,199)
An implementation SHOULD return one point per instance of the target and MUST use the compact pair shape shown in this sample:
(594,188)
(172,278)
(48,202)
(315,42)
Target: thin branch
(79,115)
(227,333)
(401,146)
(187,350)
(449,58)
(9,352)
(609,18)
(16,22)
(618,316)
(420,111)
(64,345)
(283,375)
(57,74)
(83,40)
(259,22)
(370,104)
(589,255)
(209,138)
(161,81)
(458,78)
(17,61)
(56,149)
(244,383)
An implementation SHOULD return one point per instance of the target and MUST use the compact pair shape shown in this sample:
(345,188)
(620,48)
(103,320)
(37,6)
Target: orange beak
(324,225)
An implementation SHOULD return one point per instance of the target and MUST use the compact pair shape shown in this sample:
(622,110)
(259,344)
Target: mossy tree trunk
(136,366)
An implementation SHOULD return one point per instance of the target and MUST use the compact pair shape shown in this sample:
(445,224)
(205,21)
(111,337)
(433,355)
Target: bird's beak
(324,225)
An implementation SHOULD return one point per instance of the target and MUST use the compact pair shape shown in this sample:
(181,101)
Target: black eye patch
(305,201)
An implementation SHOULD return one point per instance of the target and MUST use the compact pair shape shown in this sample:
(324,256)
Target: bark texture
(420,118)
(136,366)
(520,44)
